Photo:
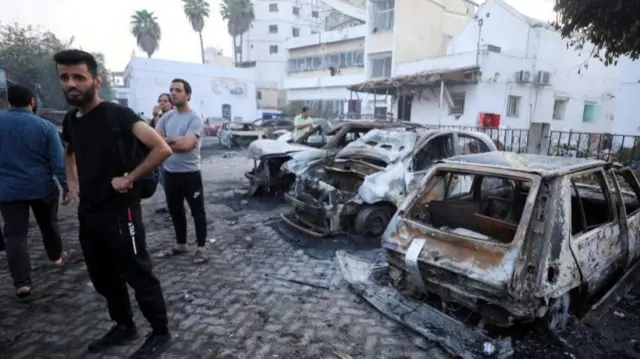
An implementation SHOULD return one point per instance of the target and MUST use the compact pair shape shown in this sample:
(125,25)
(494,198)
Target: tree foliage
(146,29)
(612,26)
(239,15)
(26,53)
(197,11)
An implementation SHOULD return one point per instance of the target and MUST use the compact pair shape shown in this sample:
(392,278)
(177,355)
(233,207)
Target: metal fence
(604,146)
(624,149)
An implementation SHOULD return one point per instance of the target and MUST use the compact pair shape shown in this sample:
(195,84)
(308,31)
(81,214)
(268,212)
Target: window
(437,148)
(273,7)
(315,13)
(383,15)
(513,106)
(559,109)
(273,29)
(589,112)
(590,206)
(258,95)
(295,32)
(296,10)
(470,144)
(457,99)
(630,191)
(381,67)
(493,205)
(273,49)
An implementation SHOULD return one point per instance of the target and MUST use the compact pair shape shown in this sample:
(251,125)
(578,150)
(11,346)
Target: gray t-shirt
(174,124)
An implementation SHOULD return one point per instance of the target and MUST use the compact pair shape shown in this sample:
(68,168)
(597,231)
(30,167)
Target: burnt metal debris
(541,238)
(358,190)
(323,141)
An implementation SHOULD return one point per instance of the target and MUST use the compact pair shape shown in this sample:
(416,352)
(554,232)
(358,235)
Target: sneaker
(117,335)
(153,346)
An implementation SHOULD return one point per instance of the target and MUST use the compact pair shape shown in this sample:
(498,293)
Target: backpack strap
(118,132)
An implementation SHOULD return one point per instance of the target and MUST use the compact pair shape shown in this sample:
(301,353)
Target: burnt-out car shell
(238,134)
(267,175)
(528,237)
(360,189)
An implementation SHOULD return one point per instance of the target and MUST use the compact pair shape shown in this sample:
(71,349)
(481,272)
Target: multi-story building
(396,33)
(516,77)
(215,56)
(277,21)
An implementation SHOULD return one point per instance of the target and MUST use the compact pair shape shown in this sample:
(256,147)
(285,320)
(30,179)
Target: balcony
(328,37)
(323,81)
(460,60)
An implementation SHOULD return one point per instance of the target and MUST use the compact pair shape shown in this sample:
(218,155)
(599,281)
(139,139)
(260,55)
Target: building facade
(515,77)
(218,91)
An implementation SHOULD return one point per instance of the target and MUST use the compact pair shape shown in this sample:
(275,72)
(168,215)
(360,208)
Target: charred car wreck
(321,142)
(358,190)
(522,238)
(238,134)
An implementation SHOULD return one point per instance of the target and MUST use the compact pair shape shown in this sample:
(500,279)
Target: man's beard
(83,99)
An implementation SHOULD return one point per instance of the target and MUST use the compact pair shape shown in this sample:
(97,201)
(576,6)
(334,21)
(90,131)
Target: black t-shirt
(94,141)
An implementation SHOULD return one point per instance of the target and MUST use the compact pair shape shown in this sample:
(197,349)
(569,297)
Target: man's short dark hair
(185,84)
(77,57)
(20,96)
(304,109)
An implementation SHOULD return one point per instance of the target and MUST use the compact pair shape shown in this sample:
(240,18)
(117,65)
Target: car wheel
(372,221)
(557,316)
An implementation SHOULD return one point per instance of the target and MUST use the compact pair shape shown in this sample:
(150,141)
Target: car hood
(300,162)
(388,146)
(261,148)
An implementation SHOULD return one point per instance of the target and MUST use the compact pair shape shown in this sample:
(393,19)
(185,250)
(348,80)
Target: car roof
(546,166)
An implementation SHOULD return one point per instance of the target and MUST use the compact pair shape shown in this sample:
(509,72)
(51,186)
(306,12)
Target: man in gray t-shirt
(182,128)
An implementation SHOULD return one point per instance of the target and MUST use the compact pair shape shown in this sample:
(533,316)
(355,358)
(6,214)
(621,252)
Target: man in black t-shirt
(112,235)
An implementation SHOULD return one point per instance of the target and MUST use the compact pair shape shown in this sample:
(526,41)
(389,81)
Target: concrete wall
(211,85)
(525,46)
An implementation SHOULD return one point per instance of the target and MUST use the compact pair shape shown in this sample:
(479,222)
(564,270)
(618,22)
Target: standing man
(182,128)
(30,158)
(112,234)
(302,123)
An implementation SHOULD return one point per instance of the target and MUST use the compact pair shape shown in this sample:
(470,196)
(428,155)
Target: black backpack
(146,185)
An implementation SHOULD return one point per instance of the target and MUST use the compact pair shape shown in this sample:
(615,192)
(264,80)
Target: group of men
(108,153)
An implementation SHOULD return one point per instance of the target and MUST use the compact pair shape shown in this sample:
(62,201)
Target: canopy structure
(421,80)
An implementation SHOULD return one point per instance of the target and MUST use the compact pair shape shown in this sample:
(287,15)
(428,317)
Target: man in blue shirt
(31,155)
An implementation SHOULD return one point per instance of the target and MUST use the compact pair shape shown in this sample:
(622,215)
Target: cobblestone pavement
(237,305)
(232,307)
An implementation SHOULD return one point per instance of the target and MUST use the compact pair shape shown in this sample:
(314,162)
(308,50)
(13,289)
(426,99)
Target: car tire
(556,319)
(371,221)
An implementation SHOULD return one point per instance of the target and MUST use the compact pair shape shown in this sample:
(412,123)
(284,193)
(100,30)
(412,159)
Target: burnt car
(272,128)
(319,143)
(360,188)
(238,134)
(508,238)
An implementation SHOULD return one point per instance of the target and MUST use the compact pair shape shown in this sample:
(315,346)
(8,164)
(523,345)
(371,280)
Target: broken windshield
(492,205)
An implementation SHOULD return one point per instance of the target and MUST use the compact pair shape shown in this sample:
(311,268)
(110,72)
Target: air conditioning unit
(543,78)
(523,77)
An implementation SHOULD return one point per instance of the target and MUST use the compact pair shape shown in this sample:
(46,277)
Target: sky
(106,28)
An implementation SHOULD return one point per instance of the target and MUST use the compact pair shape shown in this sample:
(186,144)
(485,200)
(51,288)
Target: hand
(122,184)
(70,196)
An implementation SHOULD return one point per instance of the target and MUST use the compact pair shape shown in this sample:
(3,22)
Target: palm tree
(145,28)
(197,11)
(239,15)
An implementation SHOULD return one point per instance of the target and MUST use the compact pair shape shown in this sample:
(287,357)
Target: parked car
(359,189)
(238,134)
(269,155)
(212,126)
(540,237)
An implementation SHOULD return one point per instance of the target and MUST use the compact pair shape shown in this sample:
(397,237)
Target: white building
(277,21)
(396,33)
(215,56)
(522,72)
(627,109)
(217,91)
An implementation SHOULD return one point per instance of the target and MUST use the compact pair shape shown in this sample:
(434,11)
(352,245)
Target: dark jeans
(16,231)
(180,186)
(115,253)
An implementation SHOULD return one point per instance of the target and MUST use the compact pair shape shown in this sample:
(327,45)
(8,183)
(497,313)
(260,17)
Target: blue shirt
(31,155)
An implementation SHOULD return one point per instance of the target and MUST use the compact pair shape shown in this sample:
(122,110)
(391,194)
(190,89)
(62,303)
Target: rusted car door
(595,231)
(628,194)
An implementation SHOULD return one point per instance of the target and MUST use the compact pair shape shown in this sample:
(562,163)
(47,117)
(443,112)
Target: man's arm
(69,163)
(56,157)
(190,140)
(159,150)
